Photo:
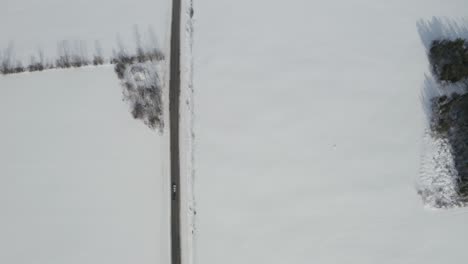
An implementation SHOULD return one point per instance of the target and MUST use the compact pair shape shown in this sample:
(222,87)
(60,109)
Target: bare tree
(63,54)
(40,54)
(37,64)
(32,64)
(98,58)
(140,52)
(79,57)
(153,50)
(1,62)
(18,67)
(6,65)
(121,50)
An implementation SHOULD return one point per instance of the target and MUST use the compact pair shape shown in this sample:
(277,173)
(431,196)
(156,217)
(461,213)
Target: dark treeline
(74,54)
(449,59)
(449,117)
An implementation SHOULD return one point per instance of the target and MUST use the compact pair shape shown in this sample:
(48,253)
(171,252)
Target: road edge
(187,137)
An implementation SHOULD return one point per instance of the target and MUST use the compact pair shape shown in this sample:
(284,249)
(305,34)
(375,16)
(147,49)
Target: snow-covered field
(309,129)
(81,181)
(309,137)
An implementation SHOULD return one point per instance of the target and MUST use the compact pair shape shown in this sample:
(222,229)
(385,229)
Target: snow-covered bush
(142,89)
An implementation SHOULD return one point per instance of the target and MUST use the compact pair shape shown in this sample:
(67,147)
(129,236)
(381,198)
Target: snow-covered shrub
(142,89)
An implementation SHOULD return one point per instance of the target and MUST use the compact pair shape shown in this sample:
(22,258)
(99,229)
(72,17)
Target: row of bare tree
(75,54)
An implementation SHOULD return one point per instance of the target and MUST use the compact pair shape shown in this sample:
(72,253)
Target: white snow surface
(81,181)
(309,133)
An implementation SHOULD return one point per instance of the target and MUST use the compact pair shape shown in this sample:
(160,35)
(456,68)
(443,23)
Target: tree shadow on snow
(441,28)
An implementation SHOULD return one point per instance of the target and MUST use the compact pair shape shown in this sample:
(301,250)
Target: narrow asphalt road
(174,97)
